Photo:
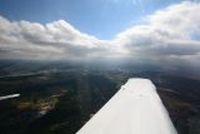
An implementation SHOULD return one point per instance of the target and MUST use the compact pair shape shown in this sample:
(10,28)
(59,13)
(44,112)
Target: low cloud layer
(171,34)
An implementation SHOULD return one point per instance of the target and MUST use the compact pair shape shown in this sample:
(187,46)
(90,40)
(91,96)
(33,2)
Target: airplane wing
(9,96)
(135,109)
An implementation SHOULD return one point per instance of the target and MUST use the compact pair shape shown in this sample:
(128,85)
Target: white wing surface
(135,109)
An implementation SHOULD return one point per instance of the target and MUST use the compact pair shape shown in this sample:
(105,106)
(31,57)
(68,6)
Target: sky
(158,31)
(102,18)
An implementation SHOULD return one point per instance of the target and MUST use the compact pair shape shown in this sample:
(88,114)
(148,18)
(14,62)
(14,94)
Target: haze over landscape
(61,61)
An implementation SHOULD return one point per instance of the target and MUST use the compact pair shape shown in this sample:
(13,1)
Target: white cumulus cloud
(170,34)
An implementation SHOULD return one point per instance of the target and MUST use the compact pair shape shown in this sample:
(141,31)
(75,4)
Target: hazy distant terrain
(60,97)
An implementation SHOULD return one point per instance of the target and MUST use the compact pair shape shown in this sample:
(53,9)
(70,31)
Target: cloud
(170,34)
(166,33)
(55,40)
